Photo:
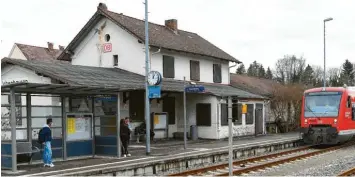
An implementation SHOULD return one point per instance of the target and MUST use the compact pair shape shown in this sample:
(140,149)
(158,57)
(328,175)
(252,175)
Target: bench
(25,151)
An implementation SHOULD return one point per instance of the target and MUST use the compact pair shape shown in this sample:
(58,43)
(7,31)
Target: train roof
(330,89)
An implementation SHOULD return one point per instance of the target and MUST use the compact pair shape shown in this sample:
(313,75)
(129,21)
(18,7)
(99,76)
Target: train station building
(99,78)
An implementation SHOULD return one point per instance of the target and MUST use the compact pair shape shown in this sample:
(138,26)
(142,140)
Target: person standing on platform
(45,136)
(128,122)
(125,134)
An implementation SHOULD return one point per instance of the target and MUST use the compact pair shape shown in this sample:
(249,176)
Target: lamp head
(328,19)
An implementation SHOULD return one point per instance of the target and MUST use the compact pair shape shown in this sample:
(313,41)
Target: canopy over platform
(24,87)
(98,80)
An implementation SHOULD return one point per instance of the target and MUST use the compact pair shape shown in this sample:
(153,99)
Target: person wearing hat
(45,136)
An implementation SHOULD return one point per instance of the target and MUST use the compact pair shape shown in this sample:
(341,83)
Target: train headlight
(305,121)
(335,121)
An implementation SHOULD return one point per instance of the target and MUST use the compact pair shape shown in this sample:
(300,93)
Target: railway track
(258,163)
(350,172)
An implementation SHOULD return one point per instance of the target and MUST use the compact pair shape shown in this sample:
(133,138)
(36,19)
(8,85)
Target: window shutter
(203,114)
(217,75)
(168,67)
(194,70)
(224,114)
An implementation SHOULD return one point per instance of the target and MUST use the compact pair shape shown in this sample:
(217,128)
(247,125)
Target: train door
(259,121)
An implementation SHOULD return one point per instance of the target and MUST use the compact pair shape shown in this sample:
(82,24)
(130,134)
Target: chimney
(61,47)
(50,45)
(171,24)
(102,6)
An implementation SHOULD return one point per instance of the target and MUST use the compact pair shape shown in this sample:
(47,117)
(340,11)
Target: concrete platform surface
(160,151)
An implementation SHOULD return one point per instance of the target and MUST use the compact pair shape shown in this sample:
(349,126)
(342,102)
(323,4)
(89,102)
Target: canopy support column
(13,130)
(118,125)
(29,120)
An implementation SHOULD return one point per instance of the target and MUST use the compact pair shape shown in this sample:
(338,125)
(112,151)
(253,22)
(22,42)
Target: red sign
(107,47)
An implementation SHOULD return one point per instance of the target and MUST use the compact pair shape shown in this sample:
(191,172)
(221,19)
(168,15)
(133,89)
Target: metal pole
(64,125)
(325,20)
(29,120)
(93,125)
(13,130)
(230,156)
(185,138)
(324,54)
(147,103)
(118,125)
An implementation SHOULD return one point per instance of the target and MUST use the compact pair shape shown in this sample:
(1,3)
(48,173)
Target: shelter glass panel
(105,116)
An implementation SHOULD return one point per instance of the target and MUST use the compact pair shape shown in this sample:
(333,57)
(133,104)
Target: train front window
(322,104)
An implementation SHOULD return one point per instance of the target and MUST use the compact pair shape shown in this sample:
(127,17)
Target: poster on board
(79,126)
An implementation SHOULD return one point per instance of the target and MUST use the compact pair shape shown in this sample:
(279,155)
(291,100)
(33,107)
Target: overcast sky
(262,30)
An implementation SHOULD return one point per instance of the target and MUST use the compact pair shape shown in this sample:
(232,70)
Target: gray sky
(262,30)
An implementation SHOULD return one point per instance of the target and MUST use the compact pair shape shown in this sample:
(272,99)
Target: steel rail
(350,172)
(286,160)
(222,169)
(239,162)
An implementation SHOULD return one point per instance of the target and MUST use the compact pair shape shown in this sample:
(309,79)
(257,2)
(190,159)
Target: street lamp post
(325,20)
(147,103)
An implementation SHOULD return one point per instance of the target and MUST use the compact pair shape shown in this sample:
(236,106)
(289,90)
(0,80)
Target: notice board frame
(166,129)
(77,115)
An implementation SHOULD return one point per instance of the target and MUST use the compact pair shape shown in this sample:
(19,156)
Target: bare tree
(334,77)
(286,104)
(317,76)
(290,69)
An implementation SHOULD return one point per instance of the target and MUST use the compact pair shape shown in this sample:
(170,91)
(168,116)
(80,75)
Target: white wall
(16,53)
(131,55)
(182,67)
(130,52)
(239,130)
(207,132)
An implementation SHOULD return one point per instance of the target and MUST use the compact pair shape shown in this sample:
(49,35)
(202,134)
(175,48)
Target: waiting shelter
(92,129)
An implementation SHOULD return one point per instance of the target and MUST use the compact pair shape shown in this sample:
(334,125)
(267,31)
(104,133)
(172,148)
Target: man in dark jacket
(46,136)
(125,134)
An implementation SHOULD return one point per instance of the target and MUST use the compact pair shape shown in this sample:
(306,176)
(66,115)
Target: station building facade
(109,52)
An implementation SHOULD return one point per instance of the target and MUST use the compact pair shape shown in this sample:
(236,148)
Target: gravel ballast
(328,164)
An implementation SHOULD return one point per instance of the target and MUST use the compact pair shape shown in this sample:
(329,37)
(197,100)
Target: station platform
(165,156)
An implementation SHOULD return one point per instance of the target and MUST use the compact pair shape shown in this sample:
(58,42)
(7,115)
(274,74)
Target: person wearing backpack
(45,138)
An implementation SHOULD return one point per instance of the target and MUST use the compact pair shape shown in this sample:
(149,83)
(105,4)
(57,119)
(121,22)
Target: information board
(160,124)
(79,126)
(160,121)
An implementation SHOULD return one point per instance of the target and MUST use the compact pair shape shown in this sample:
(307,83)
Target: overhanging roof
(85,79)
(24,87)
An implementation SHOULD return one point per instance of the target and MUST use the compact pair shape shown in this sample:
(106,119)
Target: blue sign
(154,91)
(195,89)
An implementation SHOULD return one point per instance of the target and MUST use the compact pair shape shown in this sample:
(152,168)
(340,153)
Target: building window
(194,70)
(168,67)
(217,73)
(203,114)
(107,37)
(236,114)
(115,60)
(250,114)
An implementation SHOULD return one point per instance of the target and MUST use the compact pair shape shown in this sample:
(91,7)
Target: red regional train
(328,115)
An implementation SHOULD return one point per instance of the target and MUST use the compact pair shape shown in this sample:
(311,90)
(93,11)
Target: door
(259,118)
